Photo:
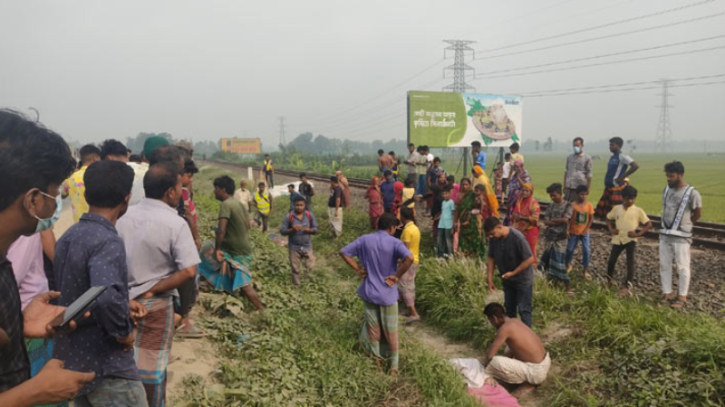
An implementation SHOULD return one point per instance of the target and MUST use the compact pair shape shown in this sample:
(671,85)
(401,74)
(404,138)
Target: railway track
(706,234)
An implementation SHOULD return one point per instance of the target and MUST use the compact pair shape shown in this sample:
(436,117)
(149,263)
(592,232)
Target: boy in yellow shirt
(406,284)
(623,222)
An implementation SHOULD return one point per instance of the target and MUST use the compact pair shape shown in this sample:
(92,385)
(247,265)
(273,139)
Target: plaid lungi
(379,335)
(153,345)
(611,197)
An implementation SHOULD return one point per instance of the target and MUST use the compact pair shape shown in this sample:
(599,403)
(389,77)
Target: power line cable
(387,91)
(691,78)
(607,63)
(657,27)
(597,27)
(613,54)
(624,89)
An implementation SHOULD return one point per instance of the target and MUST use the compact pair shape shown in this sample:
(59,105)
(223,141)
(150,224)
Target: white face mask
(577,149)
(45,224)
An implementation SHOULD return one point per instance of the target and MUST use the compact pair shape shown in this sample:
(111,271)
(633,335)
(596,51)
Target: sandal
(677,304)
(667,301)
(194,332)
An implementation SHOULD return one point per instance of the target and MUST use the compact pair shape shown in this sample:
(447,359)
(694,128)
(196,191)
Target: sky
(207,70)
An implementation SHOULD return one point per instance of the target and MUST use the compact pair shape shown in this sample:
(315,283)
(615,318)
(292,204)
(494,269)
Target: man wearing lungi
(161,256)
(620,167)
(380,271)
(525,362)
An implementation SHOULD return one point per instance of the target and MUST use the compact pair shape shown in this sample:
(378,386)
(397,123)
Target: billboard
(448,119)
(242,145)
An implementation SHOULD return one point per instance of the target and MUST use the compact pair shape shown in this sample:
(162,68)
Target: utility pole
(459,68)
(664,128)
(282,139)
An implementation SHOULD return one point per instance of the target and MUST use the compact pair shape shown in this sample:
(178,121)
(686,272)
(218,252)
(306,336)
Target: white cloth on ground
(472,370)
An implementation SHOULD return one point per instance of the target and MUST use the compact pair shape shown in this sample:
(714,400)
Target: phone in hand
(77,309)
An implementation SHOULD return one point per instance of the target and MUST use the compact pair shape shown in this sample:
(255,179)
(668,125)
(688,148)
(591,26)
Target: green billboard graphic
(448,119)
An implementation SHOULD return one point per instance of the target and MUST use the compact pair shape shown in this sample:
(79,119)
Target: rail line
(706,234)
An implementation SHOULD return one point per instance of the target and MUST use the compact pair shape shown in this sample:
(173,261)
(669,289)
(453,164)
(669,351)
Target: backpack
(292,215)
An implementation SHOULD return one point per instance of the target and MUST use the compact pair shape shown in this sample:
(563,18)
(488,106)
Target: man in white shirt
(681,209)
(244,195)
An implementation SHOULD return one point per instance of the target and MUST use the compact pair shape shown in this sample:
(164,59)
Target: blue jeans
(422,186)
(586,249)
(114,392)
(445,242)
(518,298)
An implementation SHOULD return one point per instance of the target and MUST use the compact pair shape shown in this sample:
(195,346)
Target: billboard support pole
(459,84)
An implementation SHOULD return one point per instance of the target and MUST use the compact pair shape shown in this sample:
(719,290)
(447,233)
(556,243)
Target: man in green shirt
(226,262)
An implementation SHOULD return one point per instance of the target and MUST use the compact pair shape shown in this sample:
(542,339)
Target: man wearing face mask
(34,162)
(578,170)
(161,256)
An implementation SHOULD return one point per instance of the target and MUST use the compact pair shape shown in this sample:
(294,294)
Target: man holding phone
(34,162)
(91,254)
(161,256)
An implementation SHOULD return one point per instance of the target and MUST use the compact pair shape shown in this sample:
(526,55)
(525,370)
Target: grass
(614,352)
(303,350)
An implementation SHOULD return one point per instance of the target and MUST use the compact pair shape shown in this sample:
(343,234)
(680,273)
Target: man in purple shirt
(92,254)
(380,271)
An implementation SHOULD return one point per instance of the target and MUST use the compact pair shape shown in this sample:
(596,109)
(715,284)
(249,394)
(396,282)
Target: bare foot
(393,372)
(623,292)
(523,390)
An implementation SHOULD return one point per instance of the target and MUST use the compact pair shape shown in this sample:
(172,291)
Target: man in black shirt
(509,251)
(334,208)
(34,162)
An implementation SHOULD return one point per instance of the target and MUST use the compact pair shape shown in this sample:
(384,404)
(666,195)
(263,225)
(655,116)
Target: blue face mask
(577,149)
(45,224)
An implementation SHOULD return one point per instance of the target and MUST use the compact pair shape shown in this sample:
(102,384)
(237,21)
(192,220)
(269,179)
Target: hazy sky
(212,69)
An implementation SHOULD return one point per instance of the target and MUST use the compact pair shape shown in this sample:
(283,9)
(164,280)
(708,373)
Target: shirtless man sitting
(526,362)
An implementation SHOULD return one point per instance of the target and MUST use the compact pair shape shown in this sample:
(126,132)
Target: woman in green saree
(467,216)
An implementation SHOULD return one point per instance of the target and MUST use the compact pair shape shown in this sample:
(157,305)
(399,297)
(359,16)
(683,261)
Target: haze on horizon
(206,70)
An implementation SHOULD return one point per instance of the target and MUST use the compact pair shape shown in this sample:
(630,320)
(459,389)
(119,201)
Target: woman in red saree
(525,216)
(375,198)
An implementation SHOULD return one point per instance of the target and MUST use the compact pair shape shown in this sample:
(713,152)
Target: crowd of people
(135,232)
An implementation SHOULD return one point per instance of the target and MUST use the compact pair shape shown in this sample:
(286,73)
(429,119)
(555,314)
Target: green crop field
(702,171)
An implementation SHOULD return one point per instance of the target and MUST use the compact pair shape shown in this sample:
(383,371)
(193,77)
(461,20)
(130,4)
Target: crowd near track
(705,234)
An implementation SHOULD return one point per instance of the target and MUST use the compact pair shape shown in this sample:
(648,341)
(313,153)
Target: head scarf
(478,170)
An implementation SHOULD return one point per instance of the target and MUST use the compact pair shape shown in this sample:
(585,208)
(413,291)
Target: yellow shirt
(407,194)
(626,220)
(411,236)
(76,190)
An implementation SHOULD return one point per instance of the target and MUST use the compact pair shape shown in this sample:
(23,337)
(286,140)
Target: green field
(702,171)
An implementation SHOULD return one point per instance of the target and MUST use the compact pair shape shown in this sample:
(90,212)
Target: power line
(597,27)
(624,89)
(691,78)
(657,27)
(613,54)
(385,92)
(608,62)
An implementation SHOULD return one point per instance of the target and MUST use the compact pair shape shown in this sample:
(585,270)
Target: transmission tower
(460,69)
(282,139)
(664,128)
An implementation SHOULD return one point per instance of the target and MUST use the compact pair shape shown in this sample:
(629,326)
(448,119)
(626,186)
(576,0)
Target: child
(498,180)
(557,219)
(623,221)
(506,174)
(409,193)
(406,284)
(445,224)
(581,223)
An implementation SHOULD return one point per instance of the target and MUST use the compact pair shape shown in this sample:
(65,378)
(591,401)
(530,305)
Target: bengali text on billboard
(448,119)
(242,145)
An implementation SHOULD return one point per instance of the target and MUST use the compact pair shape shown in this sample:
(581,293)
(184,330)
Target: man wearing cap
(151,144)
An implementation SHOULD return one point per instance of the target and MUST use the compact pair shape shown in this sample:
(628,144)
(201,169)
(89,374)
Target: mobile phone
(75,311)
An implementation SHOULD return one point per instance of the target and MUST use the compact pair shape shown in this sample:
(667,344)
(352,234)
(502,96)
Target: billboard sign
(449,119)
(242,145)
